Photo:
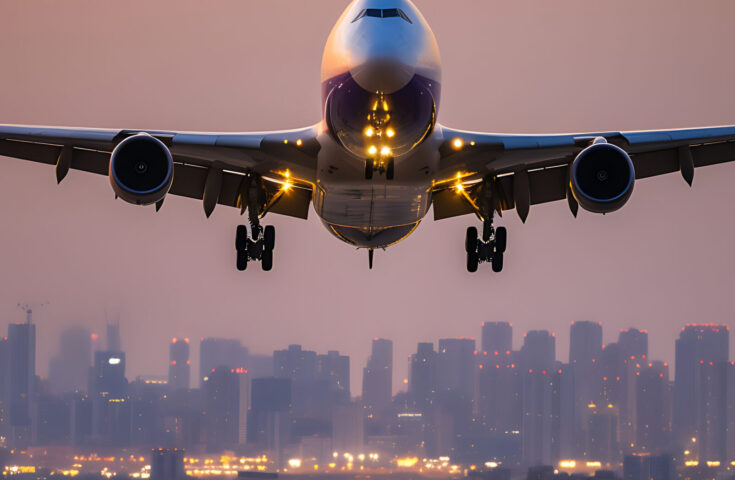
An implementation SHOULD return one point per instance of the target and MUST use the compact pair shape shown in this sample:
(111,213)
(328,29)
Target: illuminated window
(385,13)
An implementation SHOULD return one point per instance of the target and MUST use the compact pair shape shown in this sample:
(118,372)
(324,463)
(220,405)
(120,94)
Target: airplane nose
(387,75)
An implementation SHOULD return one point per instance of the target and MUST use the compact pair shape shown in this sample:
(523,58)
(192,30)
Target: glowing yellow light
(407,462)
(713,463)
(286,186)
(694,439)
(459,187)
(369,132)
(385,105)
(491,464)
(567,464)
(287,174)
(691,463)
(285,142)
(457,143)
(594,464)
(294,462)
(372,150)
(299,142)
(390,132)
(687,452)
(472,143)
(385,151)
(591,405)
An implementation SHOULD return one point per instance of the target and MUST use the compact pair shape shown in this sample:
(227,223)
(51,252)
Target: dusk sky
(665,259)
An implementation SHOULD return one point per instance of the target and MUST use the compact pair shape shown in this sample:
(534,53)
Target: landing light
(286,186)
(299,142)
(369,132)
(372,150)
(459,188)
(385,151)
(390,132)
(457,143)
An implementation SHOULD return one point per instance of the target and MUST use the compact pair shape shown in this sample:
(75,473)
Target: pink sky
(521,66)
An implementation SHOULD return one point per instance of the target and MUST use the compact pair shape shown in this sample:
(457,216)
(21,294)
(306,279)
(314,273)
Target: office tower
(51,423)
(335,368)
(179,366)
(4,382)
(633,343)
(455,366)
(167,464)
(220,352)
(21,387)
(113,337)
(644,466)
(377,377)
(585,347)
(243,406)
(69,369)
(260,365)
(422,384)
(222,408)
(702,352)
(497,337)
(269,423)
(295,363)
(148,399)
(540,399)
(568,441)
(108,390)
(653,408)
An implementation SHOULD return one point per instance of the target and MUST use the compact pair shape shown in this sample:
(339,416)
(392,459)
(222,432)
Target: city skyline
(48,350)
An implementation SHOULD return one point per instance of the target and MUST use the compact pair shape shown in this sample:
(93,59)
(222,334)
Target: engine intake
(141,169)
(602,177)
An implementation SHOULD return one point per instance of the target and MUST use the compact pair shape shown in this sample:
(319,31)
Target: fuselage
(381,82)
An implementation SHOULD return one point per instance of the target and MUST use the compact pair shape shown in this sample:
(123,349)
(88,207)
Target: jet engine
(141,169)
(602,177)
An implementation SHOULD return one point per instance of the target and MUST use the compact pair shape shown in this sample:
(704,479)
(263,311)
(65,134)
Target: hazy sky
(517,66)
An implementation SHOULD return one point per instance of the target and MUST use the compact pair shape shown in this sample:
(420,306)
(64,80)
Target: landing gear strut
(386,165)
(489,248)
(260,243)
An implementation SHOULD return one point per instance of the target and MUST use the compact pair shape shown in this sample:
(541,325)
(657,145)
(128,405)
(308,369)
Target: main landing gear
(489,248)
(259,245)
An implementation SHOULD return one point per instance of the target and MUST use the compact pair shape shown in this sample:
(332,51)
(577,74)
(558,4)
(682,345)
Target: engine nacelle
(602,177)
(141,169)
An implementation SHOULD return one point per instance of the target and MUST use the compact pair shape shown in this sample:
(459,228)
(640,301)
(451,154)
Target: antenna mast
(28,308)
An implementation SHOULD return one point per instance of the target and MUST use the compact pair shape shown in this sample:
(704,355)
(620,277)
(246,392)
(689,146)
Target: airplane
(378,159)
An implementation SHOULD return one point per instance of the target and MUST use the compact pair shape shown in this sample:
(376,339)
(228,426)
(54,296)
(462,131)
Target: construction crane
(28,308)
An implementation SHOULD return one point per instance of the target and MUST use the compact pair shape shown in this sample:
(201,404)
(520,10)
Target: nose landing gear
(385,165)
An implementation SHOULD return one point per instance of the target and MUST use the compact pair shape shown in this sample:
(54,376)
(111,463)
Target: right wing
(197,157)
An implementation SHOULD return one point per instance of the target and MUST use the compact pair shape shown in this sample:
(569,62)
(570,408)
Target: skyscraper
(702,352)
(110,408)
(377,377)
(585,347)
(222,408)
(69,370)
(179,367)
(335,368)
(216,352)
(455,366)
(295,363)
(540,397)
(22,379)
(497,337)
(113,337)
(269,423)
(422,384)
(653,408)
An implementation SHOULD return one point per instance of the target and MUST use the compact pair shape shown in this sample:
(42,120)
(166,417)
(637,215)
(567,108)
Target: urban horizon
(465,401)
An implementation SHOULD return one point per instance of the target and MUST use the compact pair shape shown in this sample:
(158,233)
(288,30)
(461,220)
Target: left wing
(533,169)
(200,160)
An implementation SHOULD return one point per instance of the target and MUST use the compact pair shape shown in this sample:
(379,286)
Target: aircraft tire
(269,237)
(470,244)
(242,260)
(473,259)
(501,239)
(267,261)
(241,238)
(497,262)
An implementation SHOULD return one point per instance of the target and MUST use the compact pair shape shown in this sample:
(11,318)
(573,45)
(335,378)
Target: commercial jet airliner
(379,158)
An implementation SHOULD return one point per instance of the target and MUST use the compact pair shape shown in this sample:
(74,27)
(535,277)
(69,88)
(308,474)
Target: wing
(227,157)
(533,169)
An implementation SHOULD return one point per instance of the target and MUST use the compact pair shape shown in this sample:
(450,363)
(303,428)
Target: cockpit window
(384,13)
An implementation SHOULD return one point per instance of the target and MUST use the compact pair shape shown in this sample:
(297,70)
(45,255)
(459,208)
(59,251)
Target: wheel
(368,169)
(390,170)
(470,244)
(267,261)
(242,260)
(472,261)
(241,238)
(269,237)
(497,262)
(501,239)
